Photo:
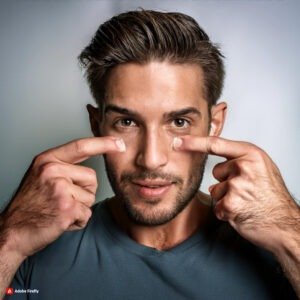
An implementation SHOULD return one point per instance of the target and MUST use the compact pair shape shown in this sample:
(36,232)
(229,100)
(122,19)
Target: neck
(194,216)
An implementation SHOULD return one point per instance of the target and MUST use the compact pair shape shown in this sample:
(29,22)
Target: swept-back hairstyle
(142,36)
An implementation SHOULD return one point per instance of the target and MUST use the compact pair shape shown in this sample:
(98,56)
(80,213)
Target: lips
(152,183)
(152,188)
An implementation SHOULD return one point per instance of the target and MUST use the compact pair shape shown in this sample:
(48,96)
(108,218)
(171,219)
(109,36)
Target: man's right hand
(55,195)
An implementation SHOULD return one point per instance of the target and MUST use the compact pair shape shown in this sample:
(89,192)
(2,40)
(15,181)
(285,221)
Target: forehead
(156,86)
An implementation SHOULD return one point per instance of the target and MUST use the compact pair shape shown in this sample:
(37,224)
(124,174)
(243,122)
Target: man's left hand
(251,194)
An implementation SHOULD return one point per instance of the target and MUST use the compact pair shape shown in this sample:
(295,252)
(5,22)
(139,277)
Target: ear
(94,119)
(218,116)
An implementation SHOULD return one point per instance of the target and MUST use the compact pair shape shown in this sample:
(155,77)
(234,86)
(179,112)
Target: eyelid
(115,123)
(182,118)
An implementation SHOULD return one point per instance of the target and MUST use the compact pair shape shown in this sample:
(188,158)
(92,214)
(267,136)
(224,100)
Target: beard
(186,190)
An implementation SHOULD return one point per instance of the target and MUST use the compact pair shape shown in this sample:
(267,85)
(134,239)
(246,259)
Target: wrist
(289,232)
(289,247)
(9,249)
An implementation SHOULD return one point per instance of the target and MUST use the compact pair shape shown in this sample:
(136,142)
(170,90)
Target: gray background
(43,93)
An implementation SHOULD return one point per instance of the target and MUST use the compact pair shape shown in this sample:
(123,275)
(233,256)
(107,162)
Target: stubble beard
(185,194)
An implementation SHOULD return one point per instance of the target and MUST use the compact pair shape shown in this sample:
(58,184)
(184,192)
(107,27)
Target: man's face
(147,106)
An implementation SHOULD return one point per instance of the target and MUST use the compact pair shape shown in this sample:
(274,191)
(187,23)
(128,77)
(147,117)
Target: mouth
(152,188)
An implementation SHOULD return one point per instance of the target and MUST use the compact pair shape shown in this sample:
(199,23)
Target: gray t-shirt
(102,262)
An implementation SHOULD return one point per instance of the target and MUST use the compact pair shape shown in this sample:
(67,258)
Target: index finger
(80,150)
(214,145)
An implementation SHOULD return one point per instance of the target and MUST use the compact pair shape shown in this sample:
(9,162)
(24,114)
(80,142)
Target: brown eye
(125,123)
(181,123)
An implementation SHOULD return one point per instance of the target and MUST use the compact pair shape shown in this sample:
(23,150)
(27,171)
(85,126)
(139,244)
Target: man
(156,78)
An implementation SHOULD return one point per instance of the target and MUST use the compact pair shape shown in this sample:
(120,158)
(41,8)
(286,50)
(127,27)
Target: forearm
(289,258)
(10,261)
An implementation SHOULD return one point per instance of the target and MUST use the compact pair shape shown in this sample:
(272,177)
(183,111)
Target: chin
(153,198)
(154,211)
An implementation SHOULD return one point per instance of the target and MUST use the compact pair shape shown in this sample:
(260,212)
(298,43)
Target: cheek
(117,160)
(120,162)
(186,162)
(129,136)
(181,161)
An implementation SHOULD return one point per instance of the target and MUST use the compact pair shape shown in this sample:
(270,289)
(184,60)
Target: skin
(252,197)
(55,194)
(251,194)
(152,92)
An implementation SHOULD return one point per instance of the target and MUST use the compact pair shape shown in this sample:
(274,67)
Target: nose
(153,151)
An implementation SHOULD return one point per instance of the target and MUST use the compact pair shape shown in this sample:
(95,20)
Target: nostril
(152,158)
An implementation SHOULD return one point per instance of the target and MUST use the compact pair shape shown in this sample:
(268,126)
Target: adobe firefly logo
(9,291)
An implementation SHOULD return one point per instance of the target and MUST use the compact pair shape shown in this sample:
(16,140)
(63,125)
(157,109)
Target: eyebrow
(181,112)
(120,110)
(172,114)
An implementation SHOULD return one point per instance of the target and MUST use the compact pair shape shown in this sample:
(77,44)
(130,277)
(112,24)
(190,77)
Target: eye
(126,122)
(181,123)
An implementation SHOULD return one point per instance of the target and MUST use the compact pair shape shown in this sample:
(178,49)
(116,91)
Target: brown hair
(144,35)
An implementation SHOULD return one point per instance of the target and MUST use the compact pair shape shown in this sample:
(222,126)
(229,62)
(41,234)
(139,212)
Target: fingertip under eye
(177,142)
(121,145)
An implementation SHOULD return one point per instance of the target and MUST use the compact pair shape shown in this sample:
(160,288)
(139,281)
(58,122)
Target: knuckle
(48,170)
(88,214)
(80,146)
(249,145)
(257,153)
(92,174)
(65,223)
(61,182)
(40,159)
(214,144)
(228,204)
(233,184)
(96,184)
(65,205)
(244,166)
(59,185)
(92,200)
(81,215)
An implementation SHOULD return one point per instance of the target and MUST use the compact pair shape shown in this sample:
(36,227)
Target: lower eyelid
(180,129)
(125,128)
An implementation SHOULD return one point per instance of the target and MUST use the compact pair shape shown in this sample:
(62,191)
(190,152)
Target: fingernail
(177,142)
(121,145)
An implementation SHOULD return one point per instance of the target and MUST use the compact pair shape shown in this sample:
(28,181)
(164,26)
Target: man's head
(154,76)
(144,36)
